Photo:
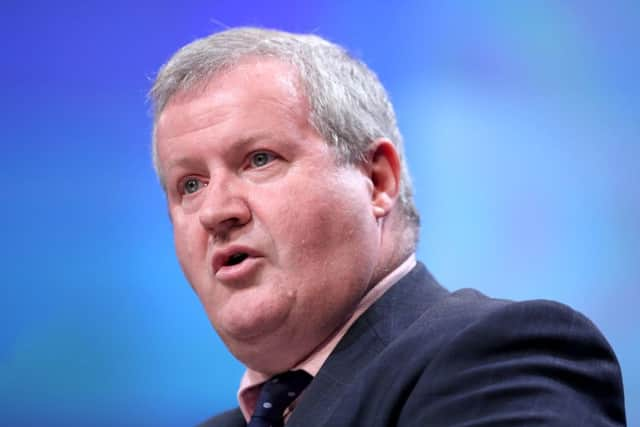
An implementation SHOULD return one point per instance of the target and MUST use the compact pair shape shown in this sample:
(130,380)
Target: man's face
(278,240)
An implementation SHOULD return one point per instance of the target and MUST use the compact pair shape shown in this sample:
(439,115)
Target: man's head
(282,165)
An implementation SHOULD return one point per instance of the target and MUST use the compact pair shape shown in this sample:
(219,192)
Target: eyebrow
(237,145)
(185,161)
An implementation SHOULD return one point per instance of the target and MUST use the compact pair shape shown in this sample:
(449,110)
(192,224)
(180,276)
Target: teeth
(236,259)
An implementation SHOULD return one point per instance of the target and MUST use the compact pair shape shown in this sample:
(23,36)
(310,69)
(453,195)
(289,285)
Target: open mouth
(235,259)
(234,263)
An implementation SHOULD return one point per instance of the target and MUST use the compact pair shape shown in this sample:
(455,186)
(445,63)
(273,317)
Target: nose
(224,209)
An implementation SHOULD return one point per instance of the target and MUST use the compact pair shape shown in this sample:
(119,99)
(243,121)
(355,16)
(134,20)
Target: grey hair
(349,106)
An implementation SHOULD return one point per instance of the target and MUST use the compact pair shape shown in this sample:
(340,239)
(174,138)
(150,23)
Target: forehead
(252,80)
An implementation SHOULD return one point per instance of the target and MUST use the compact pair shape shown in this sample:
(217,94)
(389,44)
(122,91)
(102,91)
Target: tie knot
(276,395)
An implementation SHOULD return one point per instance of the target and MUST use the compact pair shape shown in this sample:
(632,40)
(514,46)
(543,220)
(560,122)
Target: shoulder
(475,321)
(467,312)
(467,315)
(499,360)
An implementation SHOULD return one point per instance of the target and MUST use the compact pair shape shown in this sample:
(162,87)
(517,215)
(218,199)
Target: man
(294,223)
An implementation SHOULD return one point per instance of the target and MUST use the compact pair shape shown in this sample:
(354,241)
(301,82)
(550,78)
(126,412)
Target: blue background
(522,128)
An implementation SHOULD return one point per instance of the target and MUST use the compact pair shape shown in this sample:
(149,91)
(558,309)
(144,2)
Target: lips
(236,258)
(232,257)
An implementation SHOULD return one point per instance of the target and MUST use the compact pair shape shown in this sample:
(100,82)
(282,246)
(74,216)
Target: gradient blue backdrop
(522,127)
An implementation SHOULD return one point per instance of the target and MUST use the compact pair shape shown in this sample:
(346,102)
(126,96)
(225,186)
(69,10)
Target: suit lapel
(385,319)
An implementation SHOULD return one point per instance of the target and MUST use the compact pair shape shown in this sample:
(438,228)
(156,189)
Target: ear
(383,168)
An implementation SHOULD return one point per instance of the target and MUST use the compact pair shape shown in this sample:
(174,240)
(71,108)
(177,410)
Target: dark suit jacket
(422,356)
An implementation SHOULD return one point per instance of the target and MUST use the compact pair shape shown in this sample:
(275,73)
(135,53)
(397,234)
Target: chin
(249,326)
(259,345)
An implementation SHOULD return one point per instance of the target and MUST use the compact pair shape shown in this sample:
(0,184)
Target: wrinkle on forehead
(252,68)
(251,71)
(288,79)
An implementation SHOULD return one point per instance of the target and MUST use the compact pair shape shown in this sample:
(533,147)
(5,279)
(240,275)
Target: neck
(396,243)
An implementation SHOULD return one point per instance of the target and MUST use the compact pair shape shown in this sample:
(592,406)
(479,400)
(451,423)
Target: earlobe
(381,209)
(384,170)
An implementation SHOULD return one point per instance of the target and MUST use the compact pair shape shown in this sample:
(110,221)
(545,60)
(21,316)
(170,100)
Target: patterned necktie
(275,396)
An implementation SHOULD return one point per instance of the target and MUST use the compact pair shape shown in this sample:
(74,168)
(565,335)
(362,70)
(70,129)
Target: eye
(261,158)
(191,185)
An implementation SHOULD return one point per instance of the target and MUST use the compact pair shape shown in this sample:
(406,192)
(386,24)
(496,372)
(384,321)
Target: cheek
(328,254)
(324,228)
(180,236)
(190,245)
